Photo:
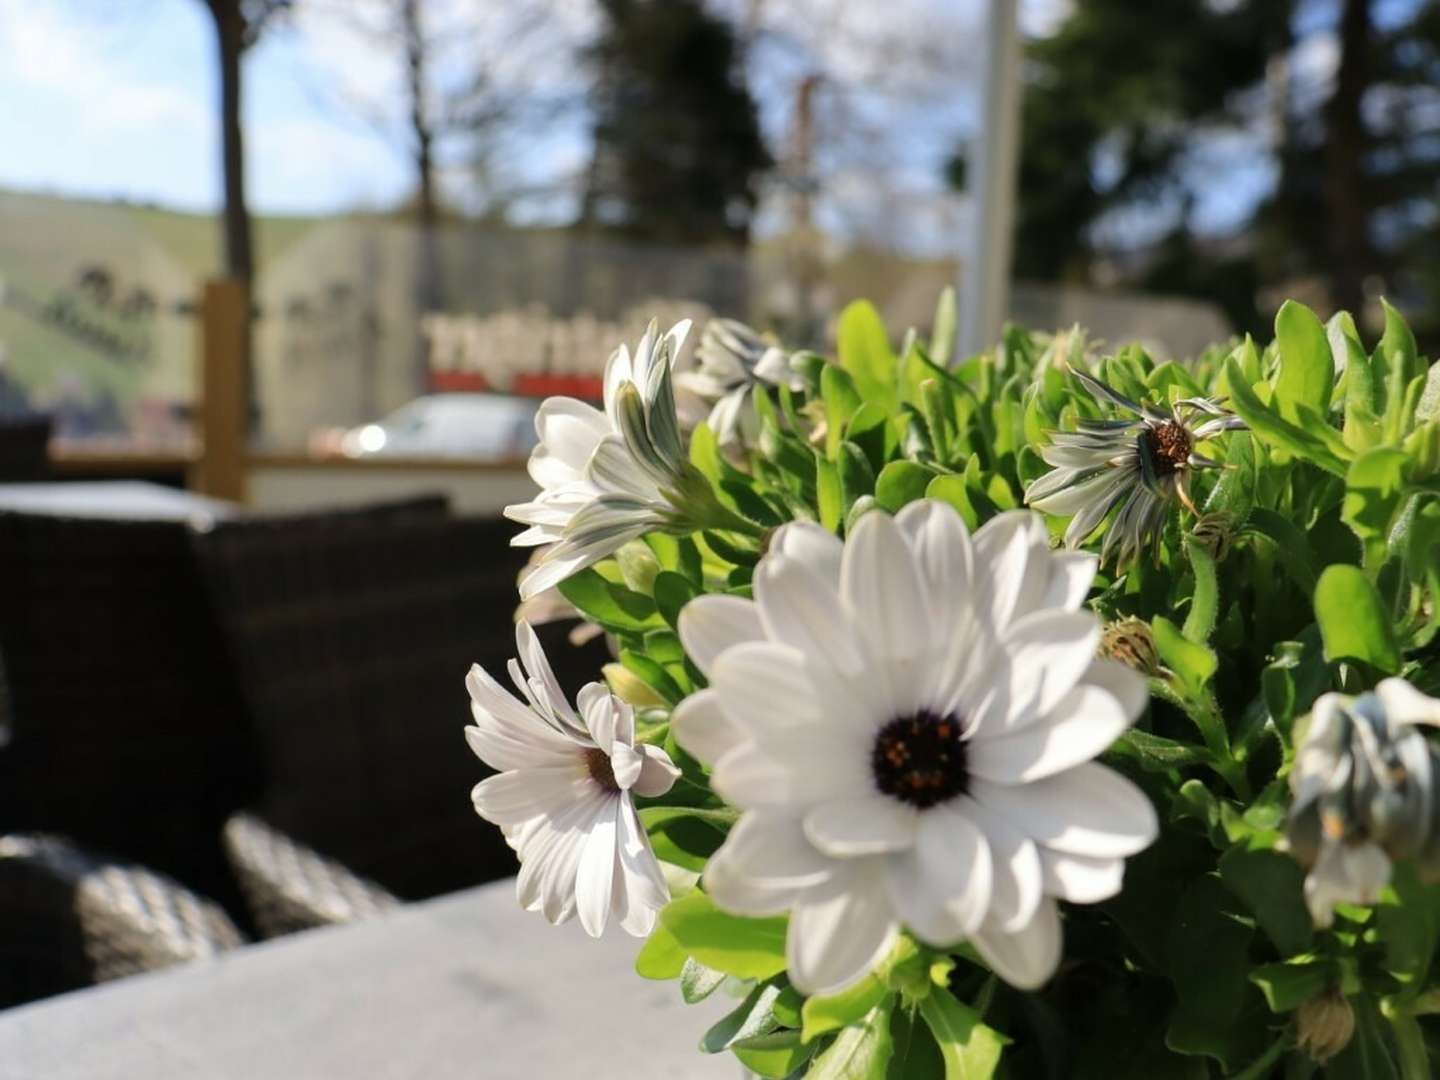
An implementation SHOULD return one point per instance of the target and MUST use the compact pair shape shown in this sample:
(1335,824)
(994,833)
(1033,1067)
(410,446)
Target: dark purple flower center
(598,764)
(1170,447)
(921,759)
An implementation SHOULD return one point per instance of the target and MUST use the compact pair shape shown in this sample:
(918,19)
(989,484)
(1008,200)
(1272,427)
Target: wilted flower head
(1138,464)
(1130,641)
(732,359)
(1364,795)
(610,477)
(1324,1025)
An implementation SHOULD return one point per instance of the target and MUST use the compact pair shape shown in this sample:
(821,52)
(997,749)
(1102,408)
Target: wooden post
(224,388)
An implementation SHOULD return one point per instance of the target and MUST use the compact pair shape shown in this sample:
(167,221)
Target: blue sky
(115,99)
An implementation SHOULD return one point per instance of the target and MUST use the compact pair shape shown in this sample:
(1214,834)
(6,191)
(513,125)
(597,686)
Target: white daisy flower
(907,721)
(1138,464)
(1364,794)
(610,477)
(564,794)
(732,360)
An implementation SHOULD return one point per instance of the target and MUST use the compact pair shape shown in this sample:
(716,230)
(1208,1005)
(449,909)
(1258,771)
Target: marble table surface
(467,985)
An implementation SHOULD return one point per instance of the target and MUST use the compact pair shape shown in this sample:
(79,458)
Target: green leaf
(1409,921)
(1272,885)
(863,349)
(1290,542)
(829,498)
(1273,429)
(1352,618)
(613,606)
(1373,492)
(672,592)
(776,1055)
(661,957)
(697,982)
(830,1012)
(747,948)
(901,482)
(1397,345)
(1205,601)
(951,489)
(856,476)
(1207,953)
(1156,753)
(1307,368)
(841,402)
(652,675)
(1288,986)
(861,1051)
(1193,662)
(753,1016)
(970,1048)
(686,836)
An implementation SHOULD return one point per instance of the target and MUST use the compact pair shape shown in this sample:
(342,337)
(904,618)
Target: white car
(492,427)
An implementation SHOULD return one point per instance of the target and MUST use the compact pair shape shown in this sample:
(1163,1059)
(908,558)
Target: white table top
(125,499)
(466,986)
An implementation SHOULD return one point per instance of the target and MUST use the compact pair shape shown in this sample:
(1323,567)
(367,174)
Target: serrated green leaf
(1159,754)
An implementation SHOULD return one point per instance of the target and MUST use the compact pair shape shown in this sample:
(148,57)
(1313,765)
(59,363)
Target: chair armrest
(70,918)
(289,886)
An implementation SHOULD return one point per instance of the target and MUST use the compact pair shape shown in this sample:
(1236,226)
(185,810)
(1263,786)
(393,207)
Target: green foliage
(1315,567)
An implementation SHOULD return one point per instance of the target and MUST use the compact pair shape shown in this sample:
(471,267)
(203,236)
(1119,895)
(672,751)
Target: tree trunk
(230,38)
(1345,144)
(427,213)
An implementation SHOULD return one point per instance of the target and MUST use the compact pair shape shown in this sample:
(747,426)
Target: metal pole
(985,274)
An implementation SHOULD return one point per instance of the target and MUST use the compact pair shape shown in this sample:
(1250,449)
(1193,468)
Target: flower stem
(1261,1066)
(1205,715)
(1410,1041)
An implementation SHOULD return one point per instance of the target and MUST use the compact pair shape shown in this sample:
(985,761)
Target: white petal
(941,888)
(595,877)
(569,431)
(537,666)
(1406,705)
(625,765)
(640,886)
(657,772)
(798,607)
(881,588)
(1079,879)
(509,798)
(838,932)
(789,772)
(1011,560)
(813,545)
(601,717)
(765,864)
(1018,877)
(764,684)
(711,624)
(861,825)
(1048,653)
(1127,686)
(1088,810)
(941,546)
(1071,573)
(702,728)
(506,748)
(1027,958)
(1080,727)
(568,558)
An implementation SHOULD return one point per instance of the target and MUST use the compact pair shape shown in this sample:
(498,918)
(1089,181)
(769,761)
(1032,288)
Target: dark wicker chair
(69,919)
(24,448)
(128,731)
(352,645)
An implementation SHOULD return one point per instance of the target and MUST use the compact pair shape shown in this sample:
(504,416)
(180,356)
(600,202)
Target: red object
(585,387)
(458,381)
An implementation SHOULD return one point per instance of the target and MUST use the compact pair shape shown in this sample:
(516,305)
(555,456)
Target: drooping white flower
(610,477)
(1137,463)
(907,721)
(1364,794)
(732,360)
(563,795)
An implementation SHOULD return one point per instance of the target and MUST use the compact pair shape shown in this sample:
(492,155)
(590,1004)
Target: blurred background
(456,197)
(282,283)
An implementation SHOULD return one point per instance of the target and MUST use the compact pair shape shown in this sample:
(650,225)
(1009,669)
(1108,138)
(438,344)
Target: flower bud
(1324,1025)
(1131,642)
(1215,532)
(629,687)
